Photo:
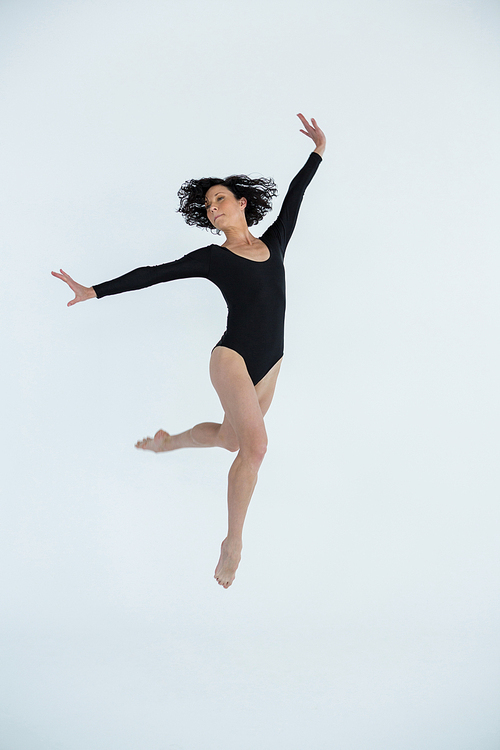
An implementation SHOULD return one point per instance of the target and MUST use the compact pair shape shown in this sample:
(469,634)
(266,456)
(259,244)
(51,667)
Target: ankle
(233,544)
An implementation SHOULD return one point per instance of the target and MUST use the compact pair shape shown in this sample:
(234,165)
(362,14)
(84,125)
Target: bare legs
(242,430)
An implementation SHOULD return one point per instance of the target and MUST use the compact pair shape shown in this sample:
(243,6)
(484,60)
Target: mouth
(218,217)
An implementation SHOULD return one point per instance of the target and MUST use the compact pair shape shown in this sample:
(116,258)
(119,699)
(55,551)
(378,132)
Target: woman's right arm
(195,264)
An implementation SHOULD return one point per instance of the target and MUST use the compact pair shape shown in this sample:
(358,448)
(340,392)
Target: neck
(238,236)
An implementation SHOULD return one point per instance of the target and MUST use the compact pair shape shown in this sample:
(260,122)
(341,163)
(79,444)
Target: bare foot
(161,442)
(229,560)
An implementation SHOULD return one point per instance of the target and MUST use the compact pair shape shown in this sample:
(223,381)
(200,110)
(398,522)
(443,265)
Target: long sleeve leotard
(254,290)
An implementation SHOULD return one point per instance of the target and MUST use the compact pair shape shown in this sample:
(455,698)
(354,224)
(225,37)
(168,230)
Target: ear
(243,202)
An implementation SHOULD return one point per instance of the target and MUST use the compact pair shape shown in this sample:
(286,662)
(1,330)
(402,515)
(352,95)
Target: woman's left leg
(241,401)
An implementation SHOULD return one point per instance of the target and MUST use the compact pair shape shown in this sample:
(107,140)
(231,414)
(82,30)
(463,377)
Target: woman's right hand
(81,292)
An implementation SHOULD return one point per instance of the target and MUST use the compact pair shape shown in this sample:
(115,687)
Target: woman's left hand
(315,133)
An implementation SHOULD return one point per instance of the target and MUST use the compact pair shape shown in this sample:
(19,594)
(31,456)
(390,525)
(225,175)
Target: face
(223,208)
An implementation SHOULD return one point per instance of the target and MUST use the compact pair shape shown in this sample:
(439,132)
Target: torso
(252,280)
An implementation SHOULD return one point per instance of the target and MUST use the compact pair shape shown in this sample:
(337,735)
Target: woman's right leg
(203,435)
(212,434)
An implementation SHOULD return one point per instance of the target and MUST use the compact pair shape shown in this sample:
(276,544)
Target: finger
(66,277)
(303,120)
(317,128)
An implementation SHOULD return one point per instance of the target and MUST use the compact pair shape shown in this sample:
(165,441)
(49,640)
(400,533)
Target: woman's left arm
(315,133)
(281,230)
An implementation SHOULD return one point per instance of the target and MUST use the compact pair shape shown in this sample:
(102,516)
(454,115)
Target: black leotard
(254,290)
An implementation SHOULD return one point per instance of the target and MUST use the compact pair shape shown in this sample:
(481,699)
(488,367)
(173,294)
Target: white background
(365,612)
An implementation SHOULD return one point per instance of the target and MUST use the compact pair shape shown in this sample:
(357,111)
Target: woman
(244,365)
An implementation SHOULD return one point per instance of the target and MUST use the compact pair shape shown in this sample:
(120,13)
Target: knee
(255,452)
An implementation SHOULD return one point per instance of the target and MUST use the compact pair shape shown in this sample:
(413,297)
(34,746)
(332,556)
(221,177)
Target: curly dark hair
(258,191)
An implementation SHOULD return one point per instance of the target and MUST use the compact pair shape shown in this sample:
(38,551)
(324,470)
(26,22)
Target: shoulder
(205,250)
(200,254)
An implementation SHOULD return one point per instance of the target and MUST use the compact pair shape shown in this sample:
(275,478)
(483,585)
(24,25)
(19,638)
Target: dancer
(245,363)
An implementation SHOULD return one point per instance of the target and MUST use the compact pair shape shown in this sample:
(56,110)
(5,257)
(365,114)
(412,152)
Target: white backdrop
(365,612)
